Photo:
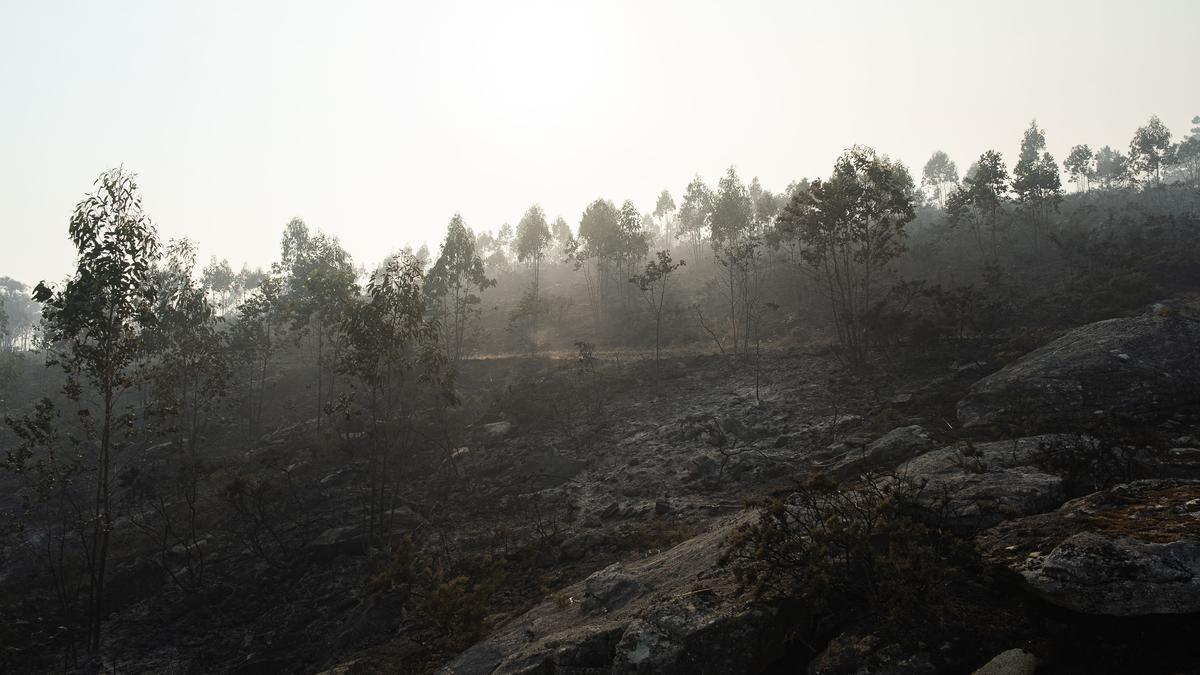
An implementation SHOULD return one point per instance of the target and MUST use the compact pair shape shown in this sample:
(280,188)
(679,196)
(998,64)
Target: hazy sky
(377,121)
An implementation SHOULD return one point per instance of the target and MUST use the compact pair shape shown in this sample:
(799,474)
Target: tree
(652,283)
(187,373)
(981,198)
(852,226)
(1148,150)
(1187,153)
(734,246)
(632,243)
(597,246)
(387,339)
(1080,165)
(563,238)
(1112,168)
(319,282)
(1036,181)
(766,206)
(97,322)
(940,175)
(253,341)
(694,214)
(533,237)
(219,280)
(664,211)
(454,285)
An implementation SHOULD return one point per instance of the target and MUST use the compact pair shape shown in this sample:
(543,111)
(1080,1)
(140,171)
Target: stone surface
(1128,551)
(1143,367)
(885,453)
(1011,662)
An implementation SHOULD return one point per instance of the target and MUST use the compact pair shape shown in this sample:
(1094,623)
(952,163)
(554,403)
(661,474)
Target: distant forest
(874,262)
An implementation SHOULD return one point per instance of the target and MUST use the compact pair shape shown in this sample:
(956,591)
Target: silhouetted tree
(979,201)
(454,285)
(96,324)
(1080,165)
(1148,150)
(852,226)
(940,175)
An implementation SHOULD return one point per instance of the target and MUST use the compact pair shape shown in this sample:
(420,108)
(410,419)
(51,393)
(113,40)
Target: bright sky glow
(377,121)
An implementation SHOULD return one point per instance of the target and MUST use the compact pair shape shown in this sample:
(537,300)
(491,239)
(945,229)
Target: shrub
(847,553)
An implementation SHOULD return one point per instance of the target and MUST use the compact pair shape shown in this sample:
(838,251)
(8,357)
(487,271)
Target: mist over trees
(158,361)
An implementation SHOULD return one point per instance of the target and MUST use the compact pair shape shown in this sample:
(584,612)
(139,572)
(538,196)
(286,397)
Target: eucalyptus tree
(186,376)
(734,247)
(1148,150)
(187,371)
(1081,166)
(219,280)
(454,285)
(694,214)
(96,323)
(664,212)
(1112,168)
(533,238)
(1036,182)
(852,225)
(563,238)
(388,339)
(979,201)
(319,281)
(253,340)
(632,243)
(652,282)
(940,175)
(594,253)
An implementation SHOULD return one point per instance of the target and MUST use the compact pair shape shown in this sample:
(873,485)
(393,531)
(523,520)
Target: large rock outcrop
(669,613)
(1143,367)
(1128,551)
(976,486)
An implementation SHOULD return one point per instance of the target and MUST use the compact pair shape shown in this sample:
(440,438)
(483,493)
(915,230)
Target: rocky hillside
(581,522)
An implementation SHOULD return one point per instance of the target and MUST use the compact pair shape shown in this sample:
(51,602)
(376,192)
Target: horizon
(371,126)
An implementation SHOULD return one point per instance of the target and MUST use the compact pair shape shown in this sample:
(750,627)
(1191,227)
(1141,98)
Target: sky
(377,121)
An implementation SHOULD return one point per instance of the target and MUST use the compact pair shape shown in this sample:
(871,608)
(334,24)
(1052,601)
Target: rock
(975,501)
(609,589)
(653,608)
(702,466)
(662,507)
(868,655)
(1011,662)
(480,659)
(1144,367)
(335,541)
(980,457)
(1129,551)
(696,635)
(578,546)
(886,452)
(978,486)
(498,430)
